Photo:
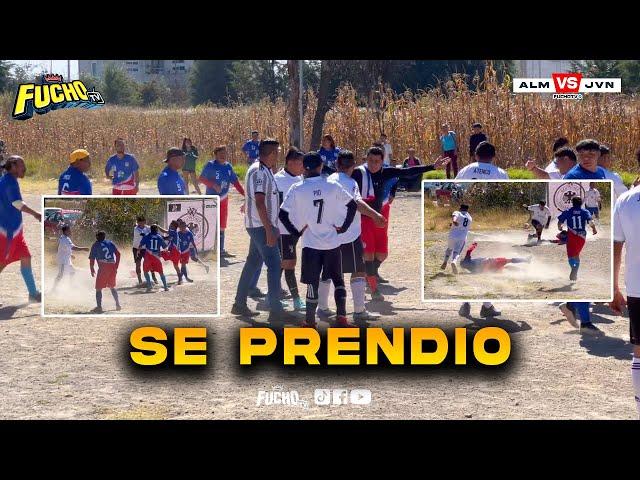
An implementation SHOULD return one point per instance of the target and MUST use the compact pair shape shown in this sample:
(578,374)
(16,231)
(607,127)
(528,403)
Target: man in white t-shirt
(626,230)
(553,169)
(540,218)
(605,162)
(564,161)
(66,247)
(140,229)
(388,151)
(321,212)
(592,201)
(483,168)
(458,231)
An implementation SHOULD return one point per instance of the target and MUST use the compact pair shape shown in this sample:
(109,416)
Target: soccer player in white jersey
(140,229)
(540,218)
(352,249)
(285,178)
(592,200)
(605,162)
(484,169)
(66,247)
(313,209)
(458,231)
(626,229)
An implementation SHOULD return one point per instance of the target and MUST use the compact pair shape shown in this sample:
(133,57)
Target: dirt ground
(77,368)
(545,277)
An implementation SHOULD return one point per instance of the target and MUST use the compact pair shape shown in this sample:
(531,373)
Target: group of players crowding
(151,245)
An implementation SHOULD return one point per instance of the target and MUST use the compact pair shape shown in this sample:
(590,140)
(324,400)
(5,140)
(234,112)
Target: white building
(174,72)
(541,68)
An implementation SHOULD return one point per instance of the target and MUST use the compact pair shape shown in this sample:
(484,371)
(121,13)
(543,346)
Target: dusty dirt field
(77,367)
(546,277)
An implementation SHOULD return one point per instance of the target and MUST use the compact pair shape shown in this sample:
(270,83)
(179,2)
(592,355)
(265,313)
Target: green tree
(6,80)
(630,74)
(154,92)
(597,68)
(253,80)
(209,81)
(91,82)
(119,88)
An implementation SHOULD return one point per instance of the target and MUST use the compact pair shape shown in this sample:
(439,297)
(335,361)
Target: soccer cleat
(443,266)
(284,293)
(313,325)
(364,316)
(486,312)
(188,279)
(454,269)
(280,316)
(206,269)
(225,254)
(37,298)
(590,328)
(97,310)
(571,318)
(149,289)
(465,310)
(377,296)
(325,313)
(380,279)
(573,276)
(243,311)
(166,289)
(343,322)
(256,293)
(118,308)
(299,305)
(179,282)
(155,280)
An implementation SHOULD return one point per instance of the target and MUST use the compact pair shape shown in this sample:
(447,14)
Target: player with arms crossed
(577,219)
(108,257)
(482,169)
(540,218)
(458,231)
(152,245)
(626,229)
(375,182)
(312,209)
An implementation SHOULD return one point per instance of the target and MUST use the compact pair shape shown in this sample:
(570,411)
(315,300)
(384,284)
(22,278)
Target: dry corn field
(521,126)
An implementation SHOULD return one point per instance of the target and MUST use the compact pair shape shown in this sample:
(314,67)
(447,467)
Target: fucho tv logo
(567,86)
(279,396)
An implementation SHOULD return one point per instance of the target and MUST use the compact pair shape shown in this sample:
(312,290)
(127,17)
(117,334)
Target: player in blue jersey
(218,176)
(171,253)
(587,167)
(577,219)
(74,180)
(251,146)
(186,242)
(107,255)
(170,182)
(12,243)
(153,244)
(329,152)
(122,169)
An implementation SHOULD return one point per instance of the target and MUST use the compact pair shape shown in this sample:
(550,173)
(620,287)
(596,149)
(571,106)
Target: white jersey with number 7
(320,206)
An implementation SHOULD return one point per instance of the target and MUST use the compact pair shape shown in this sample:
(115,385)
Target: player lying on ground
(12,243)
(352,256)
(152,245)
(488,264)
(108,257)
(577,219)
(66,247)
(540,216)
(313,209)
(458,231)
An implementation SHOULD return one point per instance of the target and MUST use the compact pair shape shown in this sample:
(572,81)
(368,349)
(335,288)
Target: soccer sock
(139,272)
(164,280)
(312,303)
(114,292)
(290,277)
(323,294)
(148,279)
(635,378)
(376,264)
(183,270)
(99,298)
(30,282)
(340,296)
(357,291)
(447,254)
(573,262)
(222,240)
(582,308)
(371,275)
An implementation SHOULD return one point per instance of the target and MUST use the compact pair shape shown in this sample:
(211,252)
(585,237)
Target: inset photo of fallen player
(130,256)
(517,240)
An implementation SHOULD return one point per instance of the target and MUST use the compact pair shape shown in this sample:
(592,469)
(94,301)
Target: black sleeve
(392,172)
(351,213)
(357,176)
(284,218)
(327,170)
(394,189)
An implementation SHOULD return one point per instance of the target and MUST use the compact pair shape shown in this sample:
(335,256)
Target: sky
(59,66)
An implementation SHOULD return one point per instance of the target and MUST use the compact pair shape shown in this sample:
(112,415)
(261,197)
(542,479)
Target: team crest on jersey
(563,195)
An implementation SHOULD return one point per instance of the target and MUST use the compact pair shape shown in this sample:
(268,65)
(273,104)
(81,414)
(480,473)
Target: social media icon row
(341,396)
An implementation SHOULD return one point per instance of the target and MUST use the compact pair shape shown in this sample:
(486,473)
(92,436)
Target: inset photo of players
(517,240)
(130,256)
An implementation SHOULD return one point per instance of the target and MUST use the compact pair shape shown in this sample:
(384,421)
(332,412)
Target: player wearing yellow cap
(74,180)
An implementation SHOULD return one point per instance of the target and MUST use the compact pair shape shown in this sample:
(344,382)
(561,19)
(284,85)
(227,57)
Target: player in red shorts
(186,241)
(153,244)
(488,264)
(12,244)
(108,257)
(375,182)
(171,253)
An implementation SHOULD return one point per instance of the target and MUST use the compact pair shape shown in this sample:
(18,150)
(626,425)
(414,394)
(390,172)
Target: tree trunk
(294,94)
(323,104)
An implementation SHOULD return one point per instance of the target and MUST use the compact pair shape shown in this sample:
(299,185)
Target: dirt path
(545,277)
(77,368)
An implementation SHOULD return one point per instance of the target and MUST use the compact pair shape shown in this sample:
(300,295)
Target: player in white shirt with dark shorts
(459,229)
(313,209)
(592,200)
(540,218)
(66,247)
(626,229)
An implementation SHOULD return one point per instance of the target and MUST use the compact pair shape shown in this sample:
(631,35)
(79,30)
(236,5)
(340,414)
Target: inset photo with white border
(130,256)
(517,240)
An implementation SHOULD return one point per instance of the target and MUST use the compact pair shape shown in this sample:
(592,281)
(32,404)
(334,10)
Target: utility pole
(68,70)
